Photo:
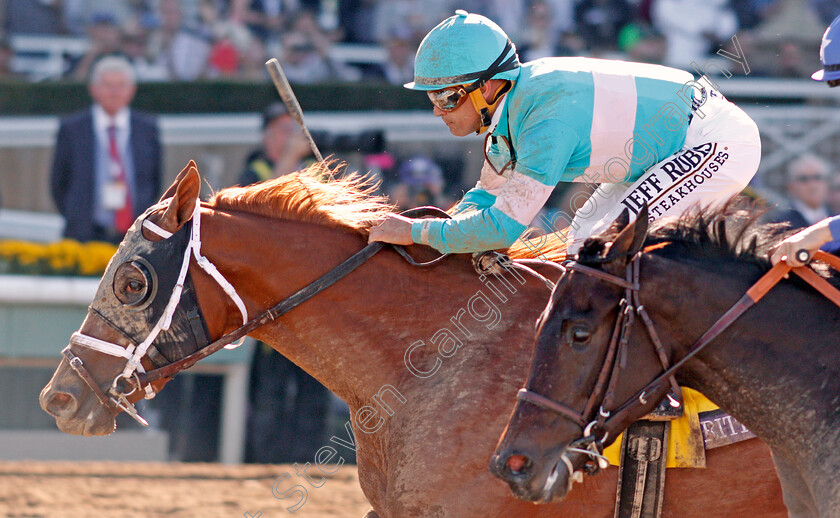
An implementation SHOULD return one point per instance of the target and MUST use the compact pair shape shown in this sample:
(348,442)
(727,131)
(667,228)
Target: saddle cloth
(685,438)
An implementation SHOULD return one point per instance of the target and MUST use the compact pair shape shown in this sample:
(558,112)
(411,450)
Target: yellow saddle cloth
(685,437)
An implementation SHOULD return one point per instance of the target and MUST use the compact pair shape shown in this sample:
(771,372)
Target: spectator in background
(107,162)
(599,23)
(807,187)
(787,28)
(691,29)
(539,39)
(289,409)
(135,43)
(262,17)
(105,40)
(826,10)
(414,16)
(306,53)
(6,55)
(32,17)
(356,18)
(399,67)
(833,201)
(284,148)
(182,49)
(420,183)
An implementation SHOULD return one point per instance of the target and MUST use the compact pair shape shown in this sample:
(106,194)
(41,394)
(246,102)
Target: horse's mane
(319,195)
(733,231)
(313,195)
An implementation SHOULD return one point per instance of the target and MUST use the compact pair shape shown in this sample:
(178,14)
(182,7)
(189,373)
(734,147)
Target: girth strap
(641,475)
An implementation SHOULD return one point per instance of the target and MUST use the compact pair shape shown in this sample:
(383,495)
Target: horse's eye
(133,284)
(579,337)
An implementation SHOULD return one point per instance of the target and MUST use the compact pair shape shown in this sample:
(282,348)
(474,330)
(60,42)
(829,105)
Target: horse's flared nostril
(60,404)
(512,468)
(518,465)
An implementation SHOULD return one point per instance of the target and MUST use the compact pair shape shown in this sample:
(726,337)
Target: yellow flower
(65,257)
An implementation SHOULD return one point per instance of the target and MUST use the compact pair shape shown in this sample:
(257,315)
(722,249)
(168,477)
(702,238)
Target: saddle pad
(685,437)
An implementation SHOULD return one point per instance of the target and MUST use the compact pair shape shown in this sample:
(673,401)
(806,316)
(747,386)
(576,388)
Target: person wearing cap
(288,409)
(830,56)
(284,147)
(797,249)
(648,134)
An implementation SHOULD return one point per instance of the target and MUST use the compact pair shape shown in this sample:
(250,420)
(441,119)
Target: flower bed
(65,258)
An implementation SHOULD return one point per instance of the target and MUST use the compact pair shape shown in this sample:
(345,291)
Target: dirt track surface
(151,490)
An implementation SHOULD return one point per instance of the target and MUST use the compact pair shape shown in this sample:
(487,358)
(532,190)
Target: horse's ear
(172,188)
(620,223)
(631,238)
(184,197)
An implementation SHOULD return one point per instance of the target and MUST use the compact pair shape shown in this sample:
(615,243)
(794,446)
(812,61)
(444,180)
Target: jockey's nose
(513,468)
(58,403)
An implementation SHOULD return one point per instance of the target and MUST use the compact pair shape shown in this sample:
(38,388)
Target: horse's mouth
(557,484)
(97,422)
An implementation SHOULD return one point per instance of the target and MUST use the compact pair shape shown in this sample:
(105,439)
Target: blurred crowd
(204,39)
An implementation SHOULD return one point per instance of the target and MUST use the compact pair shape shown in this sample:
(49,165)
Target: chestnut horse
(427,360)
(776,368)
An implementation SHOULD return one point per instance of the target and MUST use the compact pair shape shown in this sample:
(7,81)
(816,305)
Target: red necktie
(124,217)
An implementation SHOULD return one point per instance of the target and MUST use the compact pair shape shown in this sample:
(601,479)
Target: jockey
(830,56)
(808,240)
(647,134)
(812,238)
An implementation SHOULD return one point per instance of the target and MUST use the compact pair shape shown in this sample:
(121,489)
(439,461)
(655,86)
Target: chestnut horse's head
(549,438)
(145,315)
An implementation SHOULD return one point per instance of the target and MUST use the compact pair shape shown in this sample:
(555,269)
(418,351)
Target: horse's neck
(777,362)
(354,336)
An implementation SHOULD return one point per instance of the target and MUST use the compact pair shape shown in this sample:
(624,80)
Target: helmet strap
(485,111)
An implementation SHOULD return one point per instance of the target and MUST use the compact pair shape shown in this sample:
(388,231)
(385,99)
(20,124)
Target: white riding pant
(720,156)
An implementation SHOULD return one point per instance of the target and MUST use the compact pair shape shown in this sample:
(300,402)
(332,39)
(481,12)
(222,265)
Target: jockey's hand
(394,229)
(809,239)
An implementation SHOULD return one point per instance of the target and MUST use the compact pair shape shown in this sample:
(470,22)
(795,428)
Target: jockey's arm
(809,239)
(499,216)
(486,222)
(493,216)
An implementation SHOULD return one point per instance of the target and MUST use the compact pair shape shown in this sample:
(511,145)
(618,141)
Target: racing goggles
(450,98)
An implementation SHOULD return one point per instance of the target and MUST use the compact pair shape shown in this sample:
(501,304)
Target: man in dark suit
(107,163)
(807,187)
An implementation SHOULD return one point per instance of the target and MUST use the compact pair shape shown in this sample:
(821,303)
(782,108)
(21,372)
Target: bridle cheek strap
(135,355)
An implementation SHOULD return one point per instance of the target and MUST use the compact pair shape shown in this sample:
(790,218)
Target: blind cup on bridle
(147,296)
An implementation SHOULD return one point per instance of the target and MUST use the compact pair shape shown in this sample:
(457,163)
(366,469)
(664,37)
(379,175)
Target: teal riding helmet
(463,49)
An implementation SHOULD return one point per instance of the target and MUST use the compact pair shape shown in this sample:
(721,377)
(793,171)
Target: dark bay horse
(776,369)
(428,360)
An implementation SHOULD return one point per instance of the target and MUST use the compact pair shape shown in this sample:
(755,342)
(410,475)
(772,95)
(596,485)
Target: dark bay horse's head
(541,451)
(133,296)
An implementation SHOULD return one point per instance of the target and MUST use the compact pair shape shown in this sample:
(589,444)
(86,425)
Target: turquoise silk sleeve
(474,231)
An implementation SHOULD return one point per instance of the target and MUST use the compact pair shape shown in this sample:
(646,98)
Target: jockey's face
(461,121)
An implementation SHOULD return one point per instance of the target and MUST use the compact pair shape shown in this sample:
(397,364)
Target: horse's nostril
(61,403)
(517,464)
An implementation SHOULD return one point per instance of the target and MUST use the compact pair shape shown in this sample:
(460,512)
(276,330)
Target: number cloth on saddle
(685,437)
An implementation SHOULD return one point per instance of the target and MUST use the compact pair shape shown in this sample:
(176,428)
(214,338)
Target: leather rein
(596,428)
(134,378)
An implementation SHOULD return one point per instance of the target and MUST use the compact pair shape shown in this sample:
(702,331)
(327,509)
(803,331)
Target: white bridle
(132,354)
